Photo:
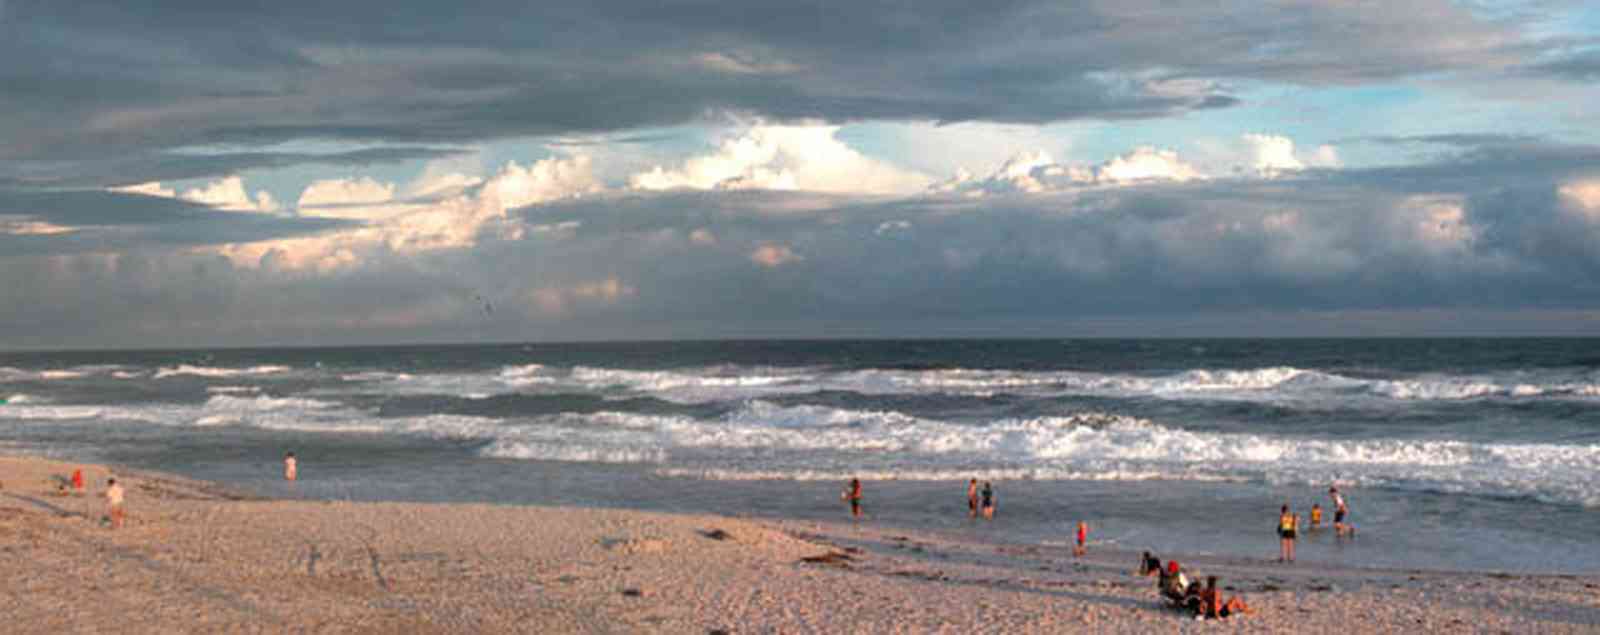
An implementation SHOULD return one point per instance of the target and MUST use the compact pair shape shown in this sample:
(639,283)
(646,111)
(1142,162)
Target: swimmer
(1083,537)
(290,467)
(1288,526)
(988,501)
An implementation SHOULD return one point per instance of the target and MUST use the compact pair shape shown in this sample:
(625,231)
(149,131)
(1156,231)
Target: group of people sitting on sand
(1184,594)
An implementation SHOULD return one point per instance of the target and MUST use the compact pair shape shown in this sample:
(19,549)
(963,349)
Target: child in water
(988,501)
(1083,538)
(1316,516)
(290,467)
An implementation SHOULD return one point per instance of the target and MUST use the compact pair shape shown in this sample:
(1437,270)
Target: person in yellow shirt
(1288,531)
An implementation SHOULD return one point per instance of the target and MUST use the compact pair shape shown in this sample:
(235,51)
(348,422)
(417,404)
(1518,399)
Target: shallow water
(1478,454)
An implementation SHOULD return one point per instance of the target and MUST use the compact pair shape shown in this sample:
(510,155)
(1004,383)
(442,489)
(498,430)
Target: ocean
(1479,454)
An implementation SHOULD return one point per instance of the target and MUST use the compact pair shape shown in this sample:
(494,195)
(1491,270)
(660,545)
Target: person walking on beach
(77,482)
(988,501)
(972,498)
(854,496)
(1288,528)
(291,467)
(114,503)
(1339,513)
(1083,538)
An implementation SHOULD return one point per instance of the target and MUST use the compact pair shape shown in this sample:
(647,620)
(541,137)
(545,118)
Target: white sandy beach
(195,557)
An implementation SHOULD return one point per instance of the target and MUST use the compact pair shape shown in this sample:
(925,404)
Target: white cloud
(451,214)
(1584,199)
(1326,156)
(225,194)
(892,226)
(1036,172)
(743,64)
(346,191)
(784,158)
(152,188)
(25,226)
(229,194)
(1272,154)
(774,255)
(353,199)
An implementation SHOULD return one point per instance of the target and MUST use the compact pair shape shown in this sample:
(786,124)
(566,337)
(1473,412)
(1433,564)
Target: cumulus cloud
(1584,198)
(225,194)
(1504,232)
(469,208)
(784,158)
(1273,155)
(1036,172)
(772,255)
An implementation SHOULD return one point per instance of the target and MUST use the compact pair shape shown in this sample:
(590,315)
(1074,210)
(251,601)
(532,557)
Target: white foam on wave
(938,474)
(232,390)
(375,375)
(57,374)
(29,410)
(264,403)
(817,442)
(208,371)
(61,374)
(533,450)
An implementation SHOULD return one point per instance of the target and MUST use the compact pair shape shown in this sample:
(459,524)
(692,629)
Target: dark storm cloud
(162,166)
(96,220)
(97,79)
(1487,231)
(1395,250)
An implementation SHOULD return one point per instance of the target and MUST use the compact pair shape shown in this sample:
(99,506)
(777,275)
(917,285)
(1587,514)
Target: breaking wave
(207,371)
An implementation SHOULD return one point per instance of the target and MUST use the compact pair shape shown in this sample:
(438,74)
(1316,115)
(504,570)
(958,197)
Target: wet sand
(198,557)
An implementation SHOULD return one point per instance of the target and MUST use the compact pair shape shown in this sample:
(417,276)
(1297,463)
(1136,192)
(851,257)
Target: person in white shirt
(114,502)
(1340,510)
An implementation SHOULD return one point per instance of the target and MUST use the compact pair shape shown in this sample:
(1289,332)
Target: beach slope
(197,557)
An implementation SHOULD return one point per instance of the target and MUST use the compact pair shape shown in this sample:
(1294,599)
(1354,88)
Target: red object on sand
(77,479)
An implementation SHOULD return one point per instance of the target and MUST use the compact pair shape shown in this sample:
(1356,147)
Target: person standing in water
(1339,513)
(114,509)
(972,498)
(291,468)
(1083,539)
(1288,530)
(854,495)
(988,501)
(1316,517)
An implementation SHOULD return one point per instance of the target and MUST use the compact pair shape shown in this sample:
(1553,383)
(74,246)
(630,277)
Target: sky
(188,173)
